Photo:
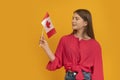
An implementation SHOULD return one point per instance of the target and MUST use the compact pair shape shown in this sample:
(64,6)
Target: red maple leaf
(48,24)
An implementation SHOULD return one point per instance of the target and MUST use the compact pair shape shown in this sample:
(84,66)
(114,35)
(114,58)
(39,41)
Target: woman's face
(77,22)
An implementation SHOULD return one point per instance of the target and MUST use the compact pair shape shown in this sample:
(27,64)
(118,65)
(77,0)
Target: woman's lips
(73,24)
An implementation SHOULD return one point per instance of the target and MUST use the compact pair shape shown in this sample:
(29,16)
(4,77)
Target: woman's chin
(74,28)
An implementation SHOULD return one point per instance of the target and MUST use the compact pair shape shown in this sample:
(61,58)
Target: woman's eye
(77,18)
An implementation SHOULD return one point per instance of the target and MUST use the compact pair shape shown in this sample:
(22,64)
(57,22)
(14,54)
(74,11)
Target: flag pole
(41,35)
(42,32)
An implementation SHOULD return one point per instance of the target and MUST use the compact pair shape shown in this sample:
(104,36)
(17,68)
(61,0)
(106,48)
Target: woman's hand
(43,43)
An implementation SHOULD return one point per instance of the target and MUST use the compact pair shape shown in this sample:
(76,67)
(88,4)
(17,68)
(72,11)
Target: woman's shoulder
(67,36)
(95,43)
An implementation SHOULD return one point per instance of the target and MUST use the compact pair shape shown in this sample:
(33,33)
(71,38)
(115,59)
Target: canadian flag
(48,26)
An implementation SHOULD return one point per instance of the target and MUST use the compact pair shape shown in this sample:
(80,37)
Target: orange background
(20,28)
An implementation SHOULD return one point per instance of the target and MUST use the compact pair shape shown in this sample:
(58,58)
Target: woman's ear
(85,23)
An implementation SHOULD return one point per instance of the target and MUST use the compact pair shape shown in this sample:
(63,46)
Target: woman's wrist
(46,48)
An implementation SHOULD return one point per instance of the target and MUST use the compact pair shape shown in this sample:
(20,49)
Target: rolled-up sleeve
(58,62)
(98,65)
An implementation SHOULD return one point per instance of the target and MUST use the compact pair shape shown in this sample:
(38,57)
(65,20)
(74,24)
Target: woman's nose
(73,20)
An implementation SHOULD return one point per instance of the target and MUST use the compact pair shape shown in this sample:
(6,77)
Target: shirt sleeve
(98,65)
(58,62)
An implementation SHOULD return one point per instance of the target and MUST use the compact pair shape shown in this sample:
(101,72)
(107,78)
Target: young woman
(78,52)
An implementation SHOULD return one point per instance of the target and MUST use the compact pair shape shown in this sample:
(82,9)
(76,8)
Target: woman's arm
(45,46)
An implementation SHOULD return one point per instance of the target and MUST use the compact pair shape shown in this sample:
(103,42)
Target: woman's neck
(81,35)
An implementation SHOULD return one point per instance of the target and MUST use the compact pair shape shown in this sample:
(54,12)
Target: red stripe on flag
(46,16)
(51,32)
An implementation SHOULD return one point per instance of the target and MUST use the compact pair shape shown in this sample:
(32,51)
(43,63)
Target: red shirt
(77,55)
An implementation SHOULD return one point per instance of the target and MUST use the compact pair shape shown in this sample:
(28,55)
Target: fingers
(42,41)
(42,38)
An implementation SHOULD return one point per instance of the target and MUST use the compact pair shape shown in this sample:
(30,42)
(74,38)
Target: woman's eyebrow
(75,17)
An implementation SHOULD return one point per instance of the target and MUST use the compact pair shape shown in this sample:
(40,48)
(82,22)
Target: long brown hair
(86,16)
